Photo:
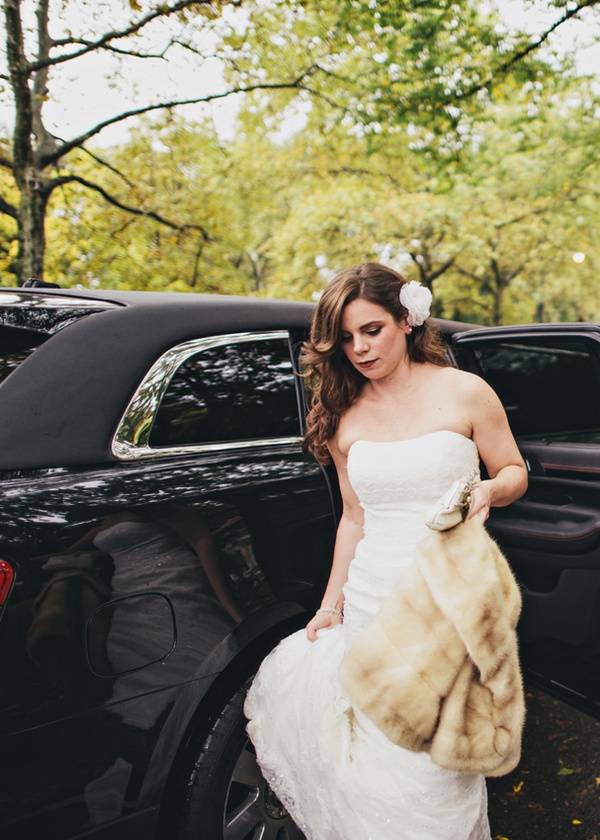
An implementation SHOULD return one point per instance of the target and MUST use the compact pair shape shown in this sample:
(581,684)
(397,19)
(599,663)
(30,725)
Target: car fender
(198,702)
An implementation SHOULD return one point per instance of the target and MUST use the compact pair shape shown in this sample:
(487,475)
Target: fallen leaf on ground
(567,771)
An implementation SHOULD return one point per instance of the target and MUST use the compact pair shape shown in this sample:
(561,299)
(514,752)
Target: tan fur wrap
(438,669)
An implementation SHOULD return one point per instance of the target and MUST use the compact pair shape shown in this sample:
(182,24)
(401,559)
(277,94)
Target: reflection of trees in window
(242,391)
(11,362)
(548,389)
(45,320)
(23,328)
(15,346)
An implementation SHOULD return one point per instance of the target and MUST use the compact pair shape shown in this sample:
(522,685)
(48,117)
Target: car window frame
(587,334)
(130,440)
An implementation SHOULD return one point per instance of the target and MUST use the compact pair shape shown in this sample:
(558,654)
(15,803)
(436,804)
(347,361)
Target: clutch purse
(454,505)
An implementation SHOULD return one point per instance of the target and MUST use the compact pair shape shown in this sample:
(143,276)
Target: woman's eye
(374,331)
(345,339)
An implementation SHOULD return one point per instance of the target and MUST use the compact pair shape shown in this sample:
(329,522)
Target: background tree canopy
(430,136)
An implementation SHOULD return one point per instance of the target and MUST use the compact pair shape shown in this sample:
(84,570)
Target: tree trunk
(30,139)
(497,306)
(32,198)
(32,237)
(498,286)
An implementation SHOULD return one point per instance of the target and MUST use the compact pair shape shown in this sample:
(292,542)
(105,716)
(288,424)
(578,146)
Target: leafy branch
(135,211)
(67,146)
(522,53)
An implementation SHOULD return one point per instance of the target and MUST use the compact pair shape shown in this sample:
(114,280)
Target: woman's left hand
(481,500)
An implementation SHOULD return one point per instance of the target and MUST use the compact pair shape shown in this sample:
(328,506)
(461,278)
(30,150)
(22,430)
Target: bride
(401,426)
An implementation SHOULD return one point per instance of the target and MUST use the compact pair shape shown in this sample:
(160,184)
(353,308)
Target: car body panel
(115,639)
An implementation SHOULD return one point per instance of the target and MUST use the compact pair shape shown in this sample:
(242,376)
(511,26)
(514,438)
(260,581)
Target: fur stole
(437,669)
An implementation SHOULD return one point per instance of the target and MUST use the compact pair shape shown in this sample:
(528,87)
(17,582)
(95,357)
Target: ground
(554,794)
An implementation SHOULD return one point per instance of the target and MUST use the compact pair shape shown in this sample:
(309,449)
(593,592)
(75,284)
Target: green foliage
(8,225)
(410,139)
(492,231)
(384,63)
(220,200)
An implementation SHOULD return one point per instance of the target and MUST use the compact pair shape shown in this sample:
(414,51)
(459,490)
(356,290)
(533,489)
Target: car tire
(227,797)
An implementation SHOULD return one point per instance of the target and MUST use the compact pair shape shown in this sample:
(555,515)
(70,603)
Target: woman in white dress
(401,426)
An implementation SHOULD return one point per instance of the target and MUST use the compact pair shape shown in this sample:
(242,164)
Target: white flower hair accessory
(416,299)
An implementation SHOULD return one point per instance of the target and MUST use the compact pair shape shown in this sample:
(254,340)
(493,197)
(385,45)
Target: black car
(161,530)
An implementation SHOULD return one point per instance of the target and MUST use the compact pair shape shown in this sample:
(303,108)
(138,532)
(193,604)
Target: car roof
(61,406)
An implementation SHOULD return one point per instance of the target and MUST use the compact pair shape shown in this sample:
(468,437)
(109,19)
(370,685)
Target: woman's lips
(366,365)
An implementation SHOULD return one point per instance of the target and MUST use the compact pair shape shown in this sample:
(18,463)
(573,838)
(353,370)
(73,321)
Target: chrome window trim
(130,441)
(42,301)
(126,452)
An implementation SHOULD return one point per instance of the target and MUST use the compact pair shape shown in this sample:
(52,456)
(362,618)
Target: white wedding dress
(338,775)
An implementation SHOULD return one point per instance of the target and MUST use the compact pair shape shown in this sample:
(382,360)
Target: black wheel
(227,797)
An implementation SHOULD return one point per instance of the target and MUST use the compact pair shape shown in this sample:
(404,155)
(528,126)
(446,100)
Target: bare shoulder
(466,385)
(470,398)
(347,432)
(333,447)
(339,444)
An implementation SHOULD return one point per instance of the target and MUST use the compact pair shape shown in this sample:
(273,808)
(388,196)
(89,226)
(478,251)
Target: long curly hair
(332,380)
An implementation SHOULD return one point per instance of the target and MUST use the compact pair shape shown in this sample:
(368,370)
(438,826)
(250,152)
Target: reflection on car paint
(251,518)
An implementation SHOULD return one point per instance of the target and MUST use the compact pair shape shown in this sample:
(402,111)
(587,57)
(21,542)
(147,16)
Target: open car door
(548,378)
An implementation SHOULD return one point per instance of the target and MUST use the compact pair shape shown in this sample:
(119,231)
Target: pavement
(554,794)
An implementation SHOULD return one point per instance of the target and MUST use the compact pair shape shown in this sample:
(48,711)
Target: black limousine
(161,530)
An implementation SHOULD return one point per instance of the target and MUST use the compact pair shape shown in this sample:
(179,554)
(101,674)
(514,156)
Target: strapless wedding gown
(338,775)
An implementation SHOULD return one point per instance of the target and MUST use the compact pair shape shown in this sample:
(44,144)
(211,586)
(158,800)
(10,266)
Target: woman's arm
(349,533)
(498,451)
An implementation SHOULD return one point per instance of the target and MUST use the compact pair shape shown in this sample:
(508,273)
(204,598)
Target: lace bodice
(402,476)
(398,483)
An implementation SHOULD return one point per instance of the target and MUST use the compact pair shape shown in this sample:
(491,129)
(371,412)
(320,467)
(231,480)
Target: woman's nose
(360,344)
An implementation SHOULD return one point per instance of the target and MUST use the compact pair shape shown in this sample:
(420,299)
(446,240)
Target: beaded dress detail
(338,775)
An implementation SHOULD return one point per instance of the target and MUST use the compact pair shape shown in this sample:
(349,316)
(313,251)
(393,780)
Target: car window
(27,320)
(549,386)
(238,391)
(10,362)
(15,346)
(44,313)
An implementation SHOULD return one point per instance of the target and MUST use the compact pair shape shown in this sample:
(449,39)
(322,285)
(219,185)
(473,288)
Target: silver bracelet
(331,610)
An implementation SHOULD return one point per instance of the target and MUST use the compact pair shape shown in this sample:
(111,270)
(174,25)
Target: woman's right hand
(320,621)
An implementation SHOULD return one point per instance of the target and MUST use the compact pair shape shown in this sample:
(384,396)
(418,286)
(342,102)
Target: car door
(548,378)
(129,577)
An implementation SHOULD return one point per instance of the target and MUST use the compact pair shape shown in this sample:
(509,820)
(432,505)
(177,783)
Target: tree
(493,228)
(234,192)
(367,66)
(40,162)
(391,64)
(522,204)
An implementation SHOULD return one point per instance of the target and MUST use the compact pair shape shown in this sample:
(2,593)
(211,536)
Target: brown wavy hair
(333,381)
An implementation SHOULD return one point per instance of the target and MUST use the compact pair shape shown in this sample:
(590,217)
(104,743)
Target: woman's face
(374,343)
